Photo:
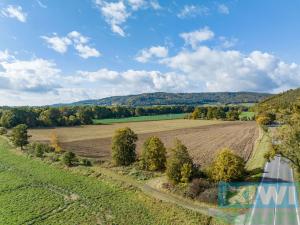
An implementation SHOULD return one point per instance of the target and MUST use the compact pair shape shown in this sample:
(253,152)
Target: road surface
(277,174)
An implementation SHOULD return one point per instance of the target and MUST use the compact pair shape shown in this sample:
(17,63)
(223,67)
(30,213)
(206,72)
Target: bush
(209,195)
(263,120)
(70,159)
(227,166)
(3,131)
(153,155)
(39,149)
(123,147)
(198,186)
(270,154)
(86,162)
(179,164)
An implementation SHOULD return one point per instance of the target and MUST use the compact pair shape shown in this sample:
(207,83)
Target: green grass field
(34,192)
(141,118)
(247,114)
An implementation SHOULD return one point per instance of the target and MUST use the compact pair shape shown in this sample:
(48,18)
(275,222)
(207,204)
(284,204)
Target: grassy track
(262,146)
(141,118)
(34,192)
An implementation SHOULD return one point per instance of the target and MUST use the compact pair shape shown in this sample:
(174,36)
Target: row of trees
(179,165)
(287,138)
(77,115)
(218,112)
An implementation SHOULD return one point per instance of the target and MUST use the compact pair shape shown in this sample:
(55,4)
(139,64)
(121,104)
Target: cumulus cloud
(223,9)
(193,11)
(228,70)
(155,51)
(117,13)
(79,42)
(14,12)
(195,37)
(36,75)
(131,81)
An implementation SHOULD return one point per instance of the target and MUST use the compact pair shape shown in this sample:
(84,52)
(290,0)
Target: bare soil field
(203,138)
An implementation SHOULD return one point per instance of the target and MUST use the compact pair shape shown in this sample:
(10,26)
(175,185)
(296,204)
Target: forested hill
(280,101)
(162,98)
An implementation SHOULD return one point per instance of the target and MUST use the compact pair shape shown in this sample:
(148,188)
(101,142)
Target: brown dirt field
(67,134)
(202,141)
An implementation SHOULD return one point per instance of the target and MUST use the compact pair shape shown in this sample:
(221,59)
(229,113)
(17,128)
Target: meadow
(34,192)
(141,118)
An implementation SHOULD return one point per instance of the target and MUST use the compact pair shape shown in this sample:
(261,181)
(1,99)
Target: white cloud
(5,55)
(77,37)
(223,9)
(218,70)
(42,5)
(155,4)
(117,13)
(85,51)
(228,42)
(36,75)
(155,51)
(195,37)
(79,42)
(137,4)
(193,11)
(15,12)
(131,81)
(59,44)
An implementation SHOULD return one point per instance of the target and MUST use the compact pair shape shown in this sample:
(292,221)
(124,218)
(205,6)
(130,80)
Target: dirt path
(168,197)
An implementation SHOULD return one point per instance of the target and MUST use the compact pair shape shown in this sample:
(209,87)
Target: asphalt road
(279,175)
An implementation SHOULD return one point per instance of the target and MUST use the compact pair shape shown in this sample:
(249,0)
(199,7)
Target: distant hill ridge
(163,98)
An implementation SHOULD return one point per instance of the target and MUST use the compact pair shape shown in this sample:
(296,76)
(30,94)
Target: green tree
(69,159)
(288,137)
(154,154)
(19,135)
(227,166)
(196,114)
(85,115)
(8,119)
(179,163)
(186,172)
(123,147)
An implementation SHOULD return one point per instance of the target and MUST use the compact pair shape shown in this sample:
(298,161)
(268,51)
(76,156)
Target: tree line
(179,165)
(230,113)
(77,115)
(84,115)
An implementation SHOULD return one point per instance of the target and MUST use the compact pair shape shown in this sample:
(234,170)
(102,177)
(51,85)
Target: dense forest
(161,98)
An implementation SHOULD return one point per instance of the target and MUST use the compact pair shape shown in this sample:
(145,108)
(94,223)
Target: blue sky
(64,51)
